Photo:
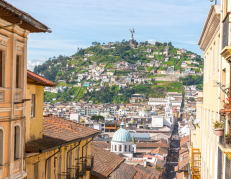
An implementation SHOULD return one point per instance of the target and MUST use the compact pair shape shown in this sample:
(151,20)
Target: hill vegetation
(68,68)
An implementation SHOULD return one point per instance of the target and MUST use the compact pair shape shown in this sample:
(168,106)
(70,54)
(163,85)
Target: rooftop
(105,162)
(35,78)
(59,132)
(16,16)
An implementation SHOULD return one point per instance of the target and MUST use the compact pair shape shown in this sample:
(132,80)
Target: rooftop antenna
(213,0)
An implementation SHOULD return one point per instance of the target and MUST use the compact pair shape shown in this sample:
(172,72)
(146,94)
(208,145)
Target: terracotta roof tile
(148,172)
(180,175)
(105,162)
(102,144)
(152,144)
(57,131)
(125,171)
(160,151)
(40,80)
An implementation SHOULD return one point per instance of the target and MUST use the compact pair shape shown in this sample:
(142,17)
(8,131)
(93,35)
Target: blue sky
(78,23)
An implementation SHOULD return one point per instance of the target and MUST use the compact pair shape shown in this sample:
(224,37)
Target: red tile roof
(59,131)
(39,80)
(125,171)
(180,175)
(102,144)
(160,151)
(152,145)
(105,162)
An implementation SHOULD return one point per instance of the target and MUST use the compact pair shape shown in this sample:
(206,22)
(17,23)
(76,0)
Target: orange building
(15,27)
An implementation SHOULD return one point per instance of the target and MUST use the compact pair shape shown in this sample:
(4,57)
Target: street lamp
(213,0)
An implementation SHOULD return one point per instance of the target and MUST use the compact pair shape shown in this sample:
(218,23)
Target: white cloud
(152,41)
(31,65)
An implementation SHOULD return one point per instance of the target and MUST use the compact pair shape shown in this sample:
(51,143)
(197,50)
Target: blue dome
(121,135)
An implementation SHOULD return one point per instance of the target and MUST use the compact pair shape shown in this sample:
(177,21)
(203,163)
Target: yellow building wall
(208,110)
(41,158)
(34,125)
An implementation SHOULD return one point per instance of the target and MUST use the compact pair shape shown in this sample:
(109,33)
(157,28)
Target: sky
(77,23)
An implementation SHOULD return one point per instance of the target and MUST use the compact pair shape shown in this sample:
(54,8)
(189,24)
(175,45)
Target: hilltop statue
(131,39)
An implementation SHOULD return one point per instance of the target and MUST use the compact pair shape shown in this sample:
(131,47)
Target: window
(49,168)
(115,147)
(18,71)
(1,70)
(16,142)
(218,55)
(213,59)
(210,64)
(78,156)
(2,139)
(70,163)
(120,148)
(33,105)
(36,171)
(125,148)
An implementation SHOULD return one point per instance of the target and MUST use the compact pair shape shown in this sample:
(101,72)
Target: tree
(97,117)
(165,44)
(169,43)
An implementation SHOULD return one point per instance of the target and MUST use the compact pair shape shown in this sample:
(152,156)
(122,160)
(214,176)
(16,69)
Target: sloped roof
(152,144)
(125,171)
(39,80)
(14,15)
(160,151)
(105,162)
(59,131)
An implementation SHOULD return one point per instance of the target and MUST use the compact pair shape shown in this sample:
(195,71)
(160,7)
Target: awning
(196,121)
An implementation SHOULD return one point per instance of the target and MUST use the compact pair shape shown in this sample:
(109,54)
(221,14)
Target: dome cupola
(121,135)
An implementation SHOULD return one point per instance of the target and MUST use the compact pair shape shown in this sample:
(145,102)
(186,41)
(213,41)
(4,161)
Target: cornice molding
(210,27)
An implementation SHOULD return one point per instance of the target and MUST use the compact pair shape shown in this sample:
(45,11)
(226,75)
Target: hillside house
(184,64)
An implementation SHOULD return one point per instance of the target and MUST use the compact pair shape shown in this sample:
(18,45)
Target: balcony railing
(90,162)
(83,167)
(227,129)
(196,164)
(73,173)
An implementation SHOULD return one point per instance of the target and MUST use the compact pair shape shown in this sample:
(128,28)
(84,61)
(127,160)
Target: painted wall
(32,159)
(34,125)
(13,42)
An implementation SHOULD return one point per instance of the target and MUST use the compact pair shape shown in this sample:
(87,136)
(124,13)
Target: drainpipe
(83,147)
(70,151)
(49,158)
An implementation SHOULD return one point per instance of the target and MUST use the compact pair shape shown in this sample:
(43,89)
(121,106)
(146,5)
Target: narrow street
(173,154)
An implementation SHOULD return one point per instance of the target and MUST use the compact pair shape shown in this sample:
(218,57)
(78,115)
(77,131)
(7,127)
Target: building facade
(15,27)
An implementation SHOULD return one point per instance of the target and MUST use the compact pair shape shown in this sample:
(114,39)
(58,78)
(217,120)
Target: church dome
(121,135)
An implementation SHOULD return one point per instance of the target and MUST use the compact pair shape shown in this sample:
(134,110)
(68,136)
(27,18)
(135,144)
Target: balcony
(73,173)
(196,164)
(83,167)
(90,161)
(225,147)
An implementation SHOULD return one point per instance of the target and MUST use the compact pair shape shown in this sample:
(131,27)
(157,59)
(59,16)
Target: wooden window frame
(2,147)
(33,105)
(18,71)
(2,68)
(17,142)
(36,170)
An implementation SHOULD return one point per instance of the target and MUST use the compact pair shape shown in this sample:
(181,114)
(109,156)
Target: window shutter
(1,70)
(1,147)
(17,72)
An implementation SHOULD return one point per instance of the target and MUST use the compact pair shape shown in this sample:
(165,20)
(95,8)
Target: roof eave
(28,19)
(67,143)
(214,8)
